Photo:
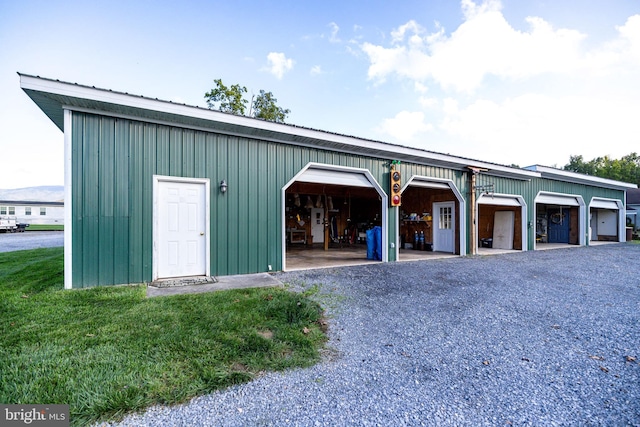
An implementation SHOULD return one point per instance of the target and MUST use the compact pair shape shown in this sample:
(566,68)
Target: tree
(577,164)
(229,98)
(265,107)
(626,169)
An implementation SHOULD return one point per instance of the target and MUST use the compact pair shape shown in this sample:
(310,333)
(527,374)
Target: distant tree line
(230,99)
(626,169)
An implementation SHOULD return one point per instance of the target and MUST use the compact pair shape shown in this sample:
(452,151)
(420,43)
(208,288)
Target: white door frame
(563,199)
(439,183)
(602,202)
(436,220)
(341,173)
(156,229)
(499,199)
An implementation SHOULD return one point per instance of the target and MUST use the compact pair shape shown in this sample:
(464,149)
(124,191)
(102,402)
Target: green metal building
(157,190)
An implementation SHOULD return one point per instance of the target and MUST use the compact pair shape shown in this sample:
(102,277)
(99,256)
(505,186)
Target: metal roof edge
(140,103)
(579,178)
(30,202)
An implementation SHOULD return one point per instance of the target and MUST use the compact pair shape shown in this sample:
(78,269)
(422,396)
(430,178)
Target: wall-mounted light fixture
(223,186)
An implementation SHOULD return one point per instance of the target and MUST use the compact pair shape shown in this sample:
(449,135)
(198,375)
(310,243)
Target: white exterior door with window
(181,234)
(444,227)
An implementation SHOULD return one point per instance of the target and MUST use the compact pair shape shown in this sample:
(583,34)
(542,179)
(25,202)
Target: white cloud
(500,94)
(333,38)
(470,9)
(428,103)
(412,26)
(316,70)
(485,44)
(420,88)
(621,53)
(279,64)
(536,127)
(405,125)
(630,32)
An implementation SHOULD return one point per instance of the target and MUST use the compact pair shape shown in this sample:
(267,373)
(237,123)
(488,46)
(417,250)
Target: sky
(511,82)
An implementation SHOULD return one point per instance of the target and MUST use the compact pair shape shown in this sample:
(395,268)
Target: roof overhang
(578,178)
(55,96)
(30,203)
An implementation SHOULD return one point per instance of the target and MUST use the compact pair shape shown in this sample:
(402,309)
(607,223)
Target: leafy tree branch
(231,100)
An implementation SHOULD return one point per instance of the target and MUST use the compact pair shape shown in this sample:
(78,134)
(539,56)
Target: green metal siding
(114,160)
(530,189)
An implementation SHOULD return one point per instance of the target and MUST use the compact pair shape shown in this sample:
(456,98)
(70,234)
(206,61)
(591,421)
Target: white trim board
(68,201)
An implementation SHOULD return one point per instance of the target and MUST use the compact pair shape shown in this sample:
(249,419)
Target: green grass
(45,227)
(107,351)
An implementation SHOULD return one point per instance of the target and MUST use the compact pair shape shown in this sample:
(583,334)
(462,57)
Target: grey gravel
(10,242)
(546,338)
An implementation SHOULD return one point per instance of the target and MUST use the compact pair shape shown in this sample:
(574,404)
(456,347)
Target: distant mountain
(46,193)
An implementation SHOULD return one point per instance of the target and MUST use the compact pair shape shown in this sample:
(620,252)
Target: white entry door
(503,229)
(444,227)
(317,225)
(181,229)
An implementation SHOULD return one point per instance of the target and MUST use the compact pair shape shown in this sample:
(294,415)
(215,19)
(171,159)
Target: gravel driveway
(526,339)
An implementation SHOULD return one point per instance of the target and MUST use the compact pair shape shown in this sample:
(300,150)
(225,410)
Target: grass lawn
(45,227)
(107,351)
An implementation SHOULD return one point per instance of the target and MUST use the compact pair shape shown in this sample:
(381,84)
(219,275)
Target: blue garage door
(558,225)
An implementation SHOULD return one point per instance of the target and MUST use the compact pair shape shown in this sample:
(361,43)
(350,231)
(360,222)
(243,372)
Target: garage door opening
(431,220)
(559,221)
(502,220)
(333,217)
(605,221)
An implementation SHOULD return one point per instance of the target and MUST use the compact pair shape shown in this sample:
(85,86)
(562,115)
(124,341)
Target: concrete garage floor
(301,257)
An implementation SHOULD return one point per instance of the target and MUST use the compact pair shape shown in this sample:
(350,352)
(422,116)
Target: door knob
(202,233)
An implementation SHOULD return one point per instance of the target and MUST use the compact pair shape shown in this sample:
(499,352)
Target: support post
(472,198)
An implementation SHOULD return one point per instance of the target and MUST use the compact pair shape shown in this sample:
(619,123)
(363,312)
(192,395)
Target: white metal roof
(578,178)
(53,96)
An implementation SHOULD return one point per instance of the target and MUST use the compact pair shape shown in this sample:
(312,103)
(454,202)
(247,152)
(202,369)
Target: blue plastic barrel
(377,231)
(374,243)
(371,244)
